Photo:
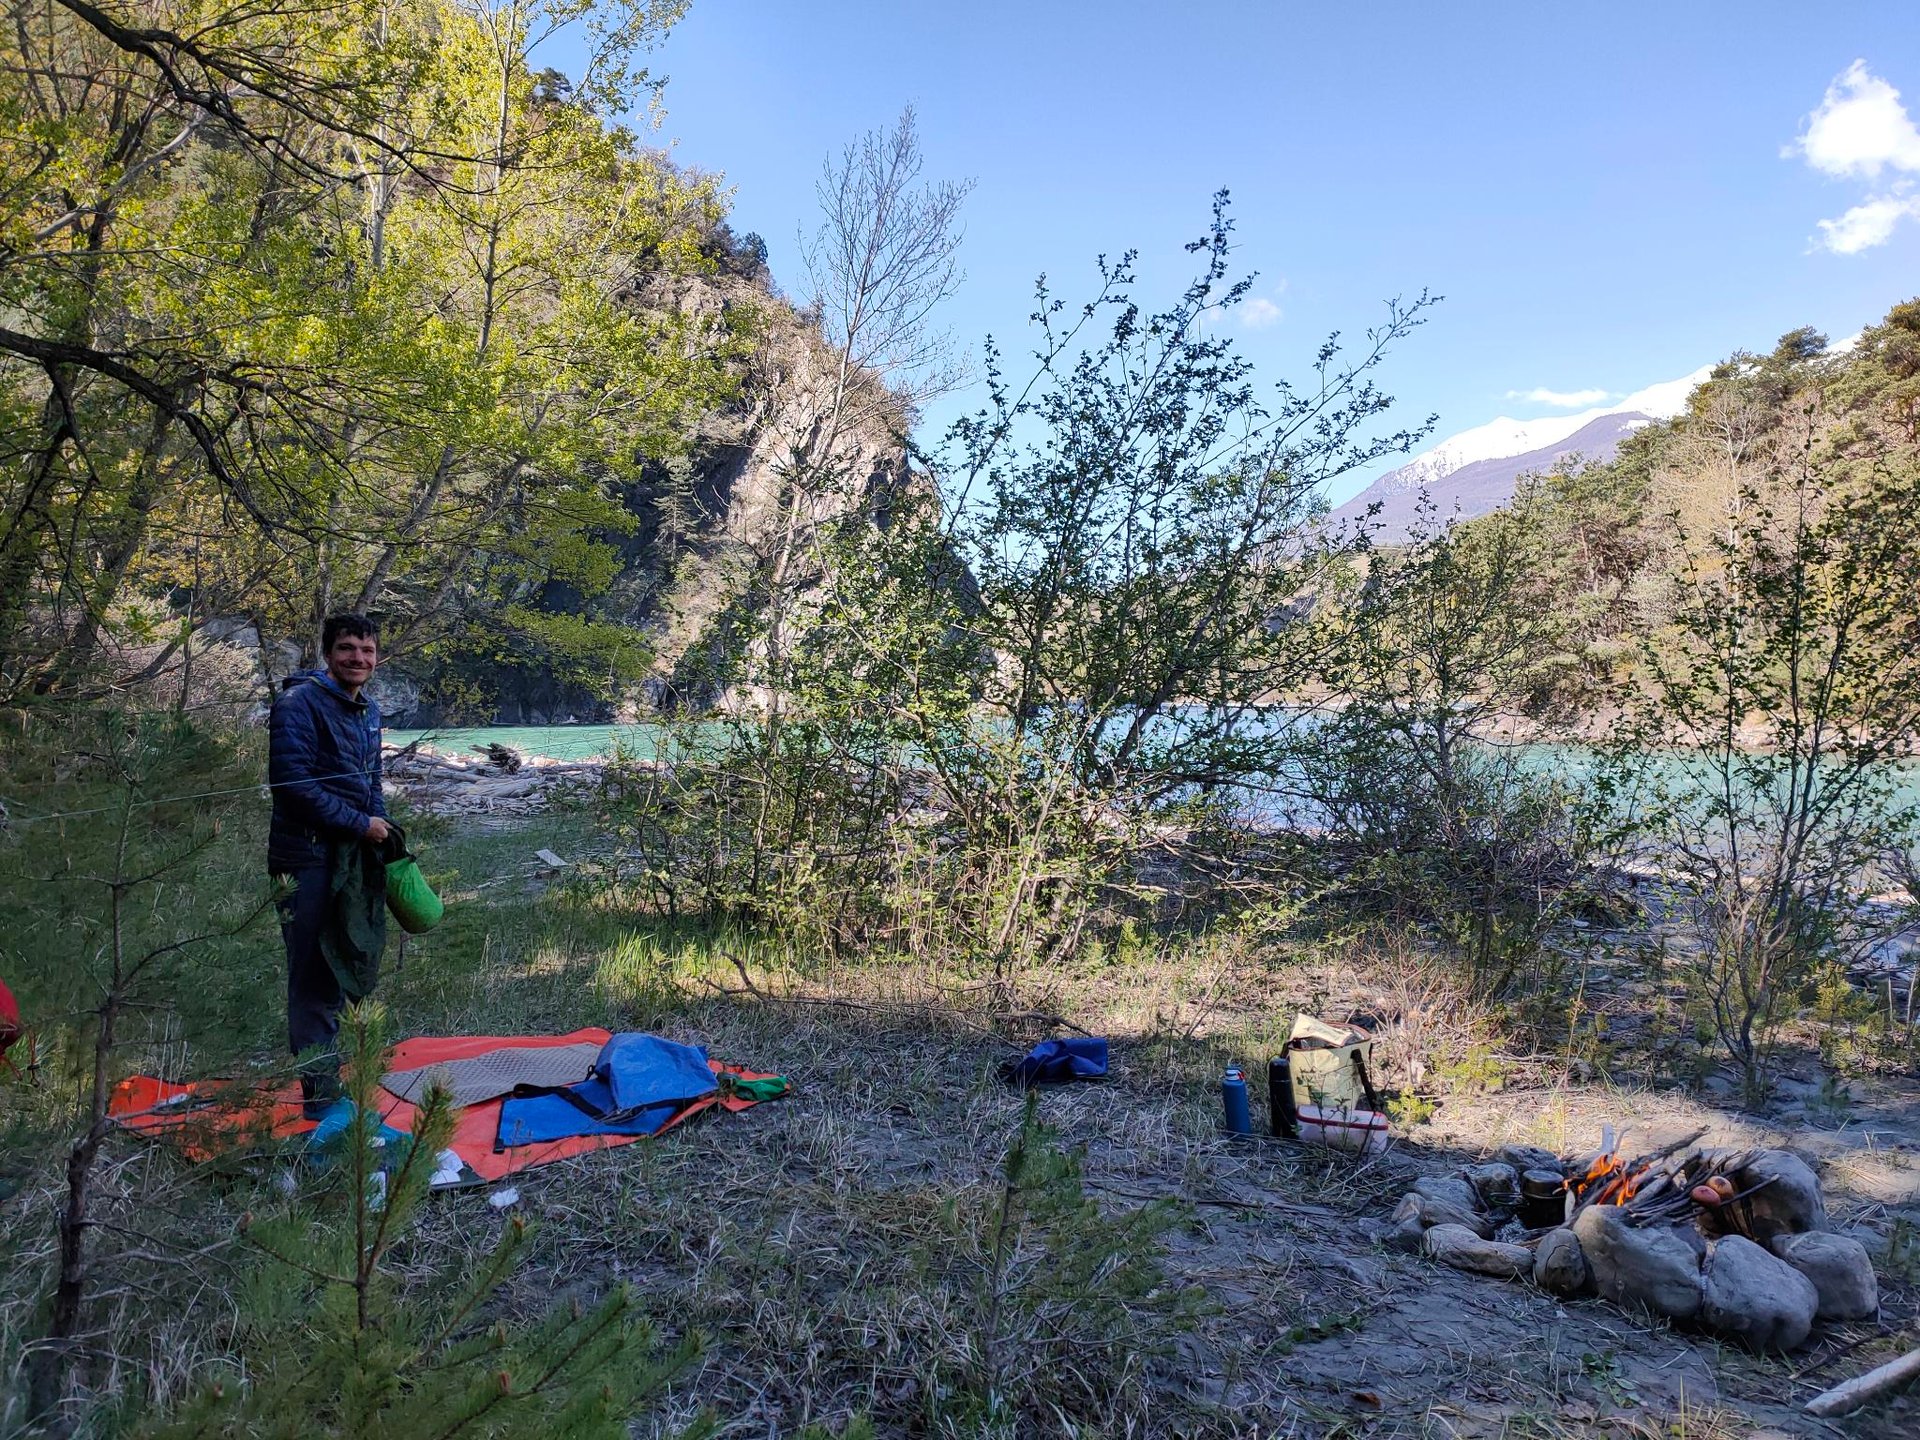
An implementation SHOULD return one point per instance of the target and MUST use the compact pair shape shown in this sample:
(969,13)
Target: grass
(837,1249)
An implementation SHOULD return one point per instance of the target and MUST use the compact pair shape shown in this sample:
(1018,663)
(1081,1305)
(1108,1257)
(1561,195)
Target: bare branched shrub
(1431,817)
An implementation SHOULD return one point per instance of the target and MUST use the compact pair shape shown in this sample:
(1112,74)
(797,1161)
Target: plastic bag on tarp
(410,899)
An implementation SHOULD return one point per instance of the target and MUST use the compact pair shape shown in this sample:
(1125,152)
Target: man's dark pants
(314,998)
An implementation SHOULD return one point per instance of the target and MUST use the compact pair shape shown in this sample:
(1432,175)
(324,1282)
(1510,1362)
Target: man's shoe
(317,1094)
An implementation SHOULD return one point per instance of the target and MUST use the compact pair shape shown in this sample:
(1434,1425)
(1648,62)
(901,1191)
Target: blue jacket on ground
(323,762)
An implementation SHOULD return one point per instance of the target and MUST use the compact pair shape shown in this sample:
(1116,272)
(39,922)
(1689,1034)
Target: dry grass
(834,1249)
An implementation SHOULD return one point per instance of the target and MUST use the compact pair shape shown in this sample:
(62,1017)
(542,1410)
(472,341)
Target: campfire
(1732,1239)
(1677,1185)
(1609,1180)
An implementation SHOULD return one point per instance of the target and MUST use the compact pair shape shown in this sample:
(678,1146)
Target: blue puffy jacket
(323,761)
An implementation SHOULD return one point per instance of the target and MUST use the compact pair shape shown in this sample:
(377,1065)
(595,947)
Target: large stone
(1655,1266)
(1840,1269)
(1560,1265)
(1497,1187)
(1406,1230)
(1755,1296)
(1449,1200)
(1790,1204)
(1461,1248)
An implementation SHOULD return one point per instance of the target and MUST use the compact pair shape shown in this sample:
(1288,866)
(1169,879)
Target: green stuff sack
(770,1088)
(410,899)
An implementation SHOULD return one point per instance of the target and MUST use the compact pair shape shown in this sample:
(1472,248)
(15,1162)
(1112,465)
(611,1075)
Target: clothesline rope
(202,795)
(178,799)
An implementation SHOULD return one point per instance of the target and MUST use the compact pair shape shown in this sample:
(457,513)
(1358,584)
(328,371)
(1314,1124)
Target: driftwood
(1846,1398)
(428,766)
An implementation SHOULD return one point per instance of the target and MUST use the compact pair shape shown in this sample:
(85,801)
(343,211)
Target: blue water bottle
(1233,1096)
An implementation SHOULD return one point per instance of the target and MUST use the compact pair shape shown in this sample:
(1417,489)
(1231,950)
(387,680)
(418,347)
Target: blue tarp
(642,1071)
(639,1083)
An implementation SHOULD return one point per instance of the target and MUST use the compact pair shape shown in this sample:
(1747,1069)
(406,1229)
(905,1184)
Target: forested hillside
(359,307)
(1800,438)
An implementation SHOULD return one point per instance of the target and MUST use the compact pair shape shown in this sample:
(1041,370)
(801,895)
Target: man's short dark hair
(358,626)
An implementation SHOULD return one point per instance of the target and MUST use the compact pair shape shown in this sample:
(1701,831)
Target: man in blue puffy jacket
(323,762)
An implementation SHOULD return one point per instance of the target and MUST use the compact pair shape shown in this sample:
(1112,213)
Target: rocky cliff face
(712,521)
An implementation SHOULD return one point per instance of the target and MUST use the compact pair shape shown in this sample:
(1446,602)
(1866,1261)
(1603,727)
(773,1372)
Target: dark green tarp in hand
(355,931)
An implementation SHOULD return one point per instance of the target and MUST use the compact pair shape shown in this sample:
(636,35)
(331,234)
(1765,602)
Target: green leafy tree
(346,306)
(1789,673)
(1443,647)
(126,344)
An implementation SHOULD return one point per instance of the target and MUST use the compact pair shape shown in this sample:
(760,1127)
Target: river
(552,742)
(1574,763)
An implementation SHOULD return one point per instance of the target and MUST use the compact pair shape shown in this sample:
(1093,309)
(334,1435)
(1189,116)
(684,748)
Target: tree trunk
(53,1362)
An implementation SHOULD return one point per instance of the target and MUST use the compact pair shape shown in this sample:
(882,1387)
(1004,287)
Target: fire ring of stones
(1735,1241)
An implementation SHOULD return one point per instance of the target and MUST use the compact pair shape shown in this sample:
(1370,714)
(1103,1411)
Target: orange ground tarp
(211,1117)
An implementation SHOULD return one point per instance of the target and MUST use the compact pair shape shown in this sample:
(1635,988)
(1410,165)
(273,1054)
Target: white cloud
(1559,399)
(1869,224)
(1259,312)
(1860,130)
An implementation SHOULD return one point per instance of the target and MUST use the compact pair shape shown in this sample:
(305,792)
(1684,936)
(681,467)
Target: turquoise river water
(591,742)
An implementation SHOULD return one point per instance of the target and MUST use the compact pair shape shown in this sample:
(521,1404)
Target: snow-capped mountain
(1476,470)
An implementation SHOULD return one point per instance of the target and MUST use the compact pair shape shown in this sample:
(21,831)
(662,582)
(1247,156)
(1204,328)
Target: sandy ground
(798,1237)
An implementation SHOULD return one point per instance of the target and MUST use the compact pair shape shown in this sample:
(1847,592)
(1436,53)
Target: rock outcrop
(708,522)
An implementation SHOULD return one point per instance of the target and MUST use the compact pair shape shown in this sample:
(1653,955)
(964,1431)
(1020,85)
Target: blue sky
(1607,196)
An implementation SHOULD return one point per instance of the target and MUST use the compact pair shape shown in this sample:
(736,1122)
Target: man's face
(352,658)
